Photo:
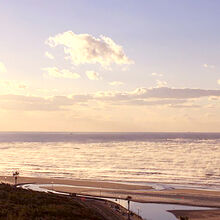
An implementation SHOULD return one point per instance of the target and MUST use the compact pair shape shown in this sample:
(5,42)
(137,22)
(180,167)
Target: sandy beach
(84,183)
(198,215)
(137,192)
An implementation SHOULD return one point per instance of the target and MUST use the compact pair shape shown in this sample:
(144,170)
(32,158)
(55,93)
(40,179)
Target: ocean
(173,158)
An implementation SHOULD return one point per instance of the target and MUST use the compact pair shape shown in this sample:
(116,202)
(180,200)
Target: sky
(118,65)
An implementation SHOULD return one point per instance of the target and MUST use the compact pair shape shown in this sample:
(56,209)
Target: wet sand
(198,215)
(138,193)
(84,183)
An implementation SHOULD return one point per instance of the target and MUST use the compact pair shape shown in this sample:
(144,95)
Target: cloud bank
(178,98)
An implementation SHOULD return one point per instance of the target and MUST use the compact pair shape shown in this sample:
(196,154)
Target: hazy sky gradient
(110,65)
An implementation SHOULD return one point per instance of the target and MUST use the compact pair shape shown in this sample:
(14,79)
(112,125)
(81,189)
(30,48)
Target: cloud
(155,93)
(86,49)
(64,73)
(161,83)
(49,55)
(185,106)
(2,68)
(145,96)
(92,75)
(169,102)
(116,83)
(170,97)
(12,84)
(176,93)
(218,81)
(156,74)
(214,98)
(34,103)
(208,66)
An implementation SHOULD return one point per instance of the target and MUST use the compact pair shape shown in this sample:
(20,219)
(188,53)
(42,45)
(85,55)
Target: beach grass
(16,203)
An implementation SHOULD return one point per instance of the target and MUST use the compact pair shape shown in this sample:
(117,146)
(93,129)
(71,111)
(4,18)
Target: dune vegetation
(17,203)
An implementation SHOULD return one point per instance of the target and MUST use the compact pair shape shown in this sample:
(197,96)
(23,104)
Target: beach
(132,157)
(115,102)
(181,169)
(138,193)
(198,215)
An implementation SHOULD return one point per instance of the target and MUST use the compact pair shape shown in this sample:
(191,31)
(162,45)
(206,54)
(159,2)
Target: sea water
(175,158)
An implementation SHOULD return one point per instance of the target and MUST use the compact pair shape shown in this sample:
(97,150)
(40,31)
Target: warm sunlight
(110,110)
(83,71)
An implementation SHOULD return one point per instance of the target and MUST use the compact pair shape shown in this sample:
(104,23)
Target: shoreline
(139,193)
(78,182)
(197,215)
(152,185)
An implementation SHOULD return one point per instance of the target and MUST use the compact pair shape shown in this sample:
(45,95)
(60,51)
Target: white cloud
(208,66)
(156,74)
(63,73)
(2,68)
(49,55)
(161,83)
(86,49)
(92,75)
(116,83)
(138,91)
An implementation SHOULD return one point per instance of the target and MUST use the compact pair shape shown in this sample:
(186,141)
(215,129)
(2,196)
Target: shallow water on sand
(181,158)
(155,211)
(151,211)
(148,211)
